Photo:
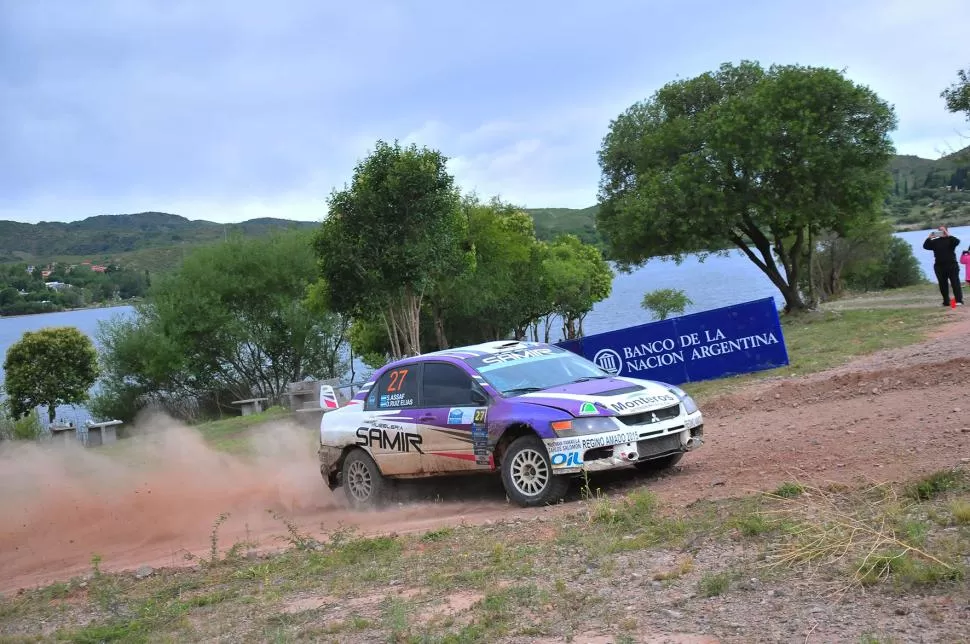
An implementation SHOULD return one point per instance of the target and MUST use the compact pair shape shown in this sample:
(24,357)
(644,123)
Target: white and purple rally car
(536,412)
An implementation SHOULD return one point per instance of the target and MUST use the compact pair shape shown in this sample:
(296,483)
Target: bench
(102,433)
(250,405)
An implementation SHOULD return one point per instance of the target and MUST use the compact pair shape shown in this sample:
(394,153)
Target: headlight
(689,405)
(584,426)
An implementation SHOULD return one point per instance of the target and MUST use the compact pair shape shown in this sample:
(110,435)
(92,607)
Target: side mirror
(478,396)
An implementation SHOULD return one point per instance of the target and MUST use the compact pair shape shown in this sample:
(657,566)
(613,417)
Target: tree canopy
(51,367)
(763,160)
(231,321)
(957,96)
(390,237)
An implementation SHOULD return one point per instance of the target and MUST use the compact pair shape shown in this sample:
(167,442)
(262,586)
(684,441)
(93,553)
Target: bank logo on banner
(609,361)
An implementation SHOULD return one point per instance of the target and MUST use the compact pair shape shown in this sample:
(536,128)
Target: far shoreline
(75,310)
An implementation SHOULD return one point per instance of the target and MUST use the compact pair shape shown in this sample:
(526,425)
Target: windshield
(525,370)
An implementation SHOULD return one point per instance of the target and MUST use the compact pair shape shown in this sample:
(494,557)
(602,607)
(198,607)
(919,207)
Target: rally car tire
(527,474)
(362,480)
(658,464)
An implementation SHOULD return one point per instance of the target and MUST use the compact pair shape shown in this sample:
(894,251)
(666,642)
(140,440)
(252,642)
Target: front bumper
(614,449)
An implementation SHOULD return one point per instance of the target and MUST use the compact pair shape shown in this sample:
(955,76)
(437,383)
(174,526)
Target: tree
(503,288)
(51,367)
(957,96)
(233,320)
(763,160)
(390,237)
(577,277)
(665,301)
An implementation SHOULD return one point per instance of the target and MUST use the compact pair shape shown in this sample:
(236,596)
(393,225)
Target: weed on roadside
(714,584)
(937,483)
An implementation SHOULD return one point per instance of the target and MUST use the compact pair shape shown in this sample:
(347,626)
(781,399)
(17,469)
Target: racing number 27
(397,380)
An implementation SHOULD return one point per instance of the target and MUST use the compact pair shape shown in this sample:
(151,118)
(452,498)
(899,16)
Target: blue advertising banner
(701,346)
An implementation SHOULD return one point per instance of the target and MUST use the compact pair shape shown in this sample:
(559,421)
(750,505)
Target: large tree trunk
(439,329)
(766,262)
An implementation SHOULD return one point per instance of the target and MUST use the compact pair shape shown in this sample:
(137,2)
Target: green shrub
(665,301)
(26,429)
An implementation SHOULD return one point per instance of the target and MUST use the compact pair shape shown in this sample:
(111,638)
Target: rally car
(536,412)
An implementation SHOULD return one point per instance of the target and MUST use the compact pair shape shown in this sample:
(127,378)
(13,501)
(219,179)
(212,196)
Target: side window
(445,385)
(398,388)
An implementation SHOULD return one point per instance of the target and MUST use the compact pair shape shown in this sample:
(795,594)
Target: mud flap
(330,465)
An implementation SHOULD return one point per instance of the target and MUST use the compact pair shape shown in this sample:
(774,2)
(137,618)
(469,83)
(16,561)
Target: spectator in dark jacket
(944,247)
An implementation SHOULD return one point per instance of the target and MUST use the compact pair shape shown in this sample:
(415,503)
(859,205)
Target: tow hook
(626,452)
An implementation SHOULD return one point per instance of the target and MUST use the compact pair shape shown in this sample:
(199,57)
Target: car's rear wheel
(527,474)
(658,464)
(363,482)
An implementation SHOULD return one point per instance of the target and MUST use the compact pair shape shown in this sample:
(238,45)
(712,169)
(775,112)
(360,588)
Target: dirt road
(887,416)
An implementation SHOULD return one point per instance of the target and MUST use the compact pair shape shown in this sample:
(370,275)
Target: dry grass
(876,534)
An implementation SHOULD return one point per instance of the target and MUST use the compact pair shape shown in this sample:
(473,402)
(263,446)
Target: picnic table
(250,405)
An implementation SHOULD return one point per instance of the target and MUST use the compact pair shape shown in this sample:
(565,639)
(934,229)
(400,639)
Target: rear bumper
(330,462)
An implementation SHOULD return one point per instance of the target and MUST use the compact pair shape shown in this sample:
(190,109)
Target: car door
(389,427)
(452,419)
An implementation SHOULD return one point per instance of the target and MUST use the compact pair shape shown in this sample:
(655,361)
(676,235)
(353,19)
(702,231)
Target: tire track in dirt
(887,416)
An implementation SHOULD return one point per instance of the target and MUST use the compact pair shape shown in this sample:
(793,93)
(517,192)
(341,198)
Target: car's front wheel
(363,482)
(527,474)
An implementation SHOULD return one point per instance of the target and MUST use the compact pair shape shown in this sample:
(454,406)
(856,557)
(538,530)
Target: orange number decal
(397,380)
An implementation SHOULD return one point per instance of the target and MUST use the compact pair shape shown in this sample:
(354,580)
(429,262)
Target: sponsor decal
(392,441)
(396,400)
(480,437)
(696,421)
(592,442)
(609,361)
(513,356)
(643,401)
(587,408)
(567,459)
(456,416)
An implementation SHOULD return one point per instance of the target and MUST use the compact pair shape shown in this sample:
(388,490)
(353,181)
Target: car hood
(607,397)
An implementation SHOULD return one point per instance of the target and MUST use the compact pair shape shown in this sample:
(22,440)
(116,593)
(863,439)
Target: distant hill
(552,222)
(147,240)
(928,192)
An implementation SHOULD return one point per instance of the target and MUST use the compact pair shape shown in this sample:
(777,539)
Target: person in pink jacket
(965,260)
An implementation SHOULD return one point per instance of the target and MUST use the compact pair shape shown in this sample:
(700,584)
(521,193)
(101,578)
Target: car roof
(475,350)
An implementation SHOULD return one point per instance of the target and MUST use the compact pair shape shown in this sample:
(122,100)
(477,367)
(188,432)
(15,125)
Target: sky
(228,110)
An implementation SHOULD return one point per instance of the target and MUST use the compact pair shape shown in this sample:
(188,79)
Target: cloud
(226,108)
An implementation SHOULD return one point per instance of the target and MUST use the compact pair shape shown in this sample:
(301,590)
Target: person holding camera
(944,247)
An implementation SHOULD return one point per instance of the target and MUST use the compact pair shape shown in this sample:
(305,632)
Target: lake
(713,283)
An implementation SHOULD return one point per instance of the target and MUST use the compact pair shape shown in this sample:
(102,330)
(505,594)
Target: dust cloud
(153,499)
